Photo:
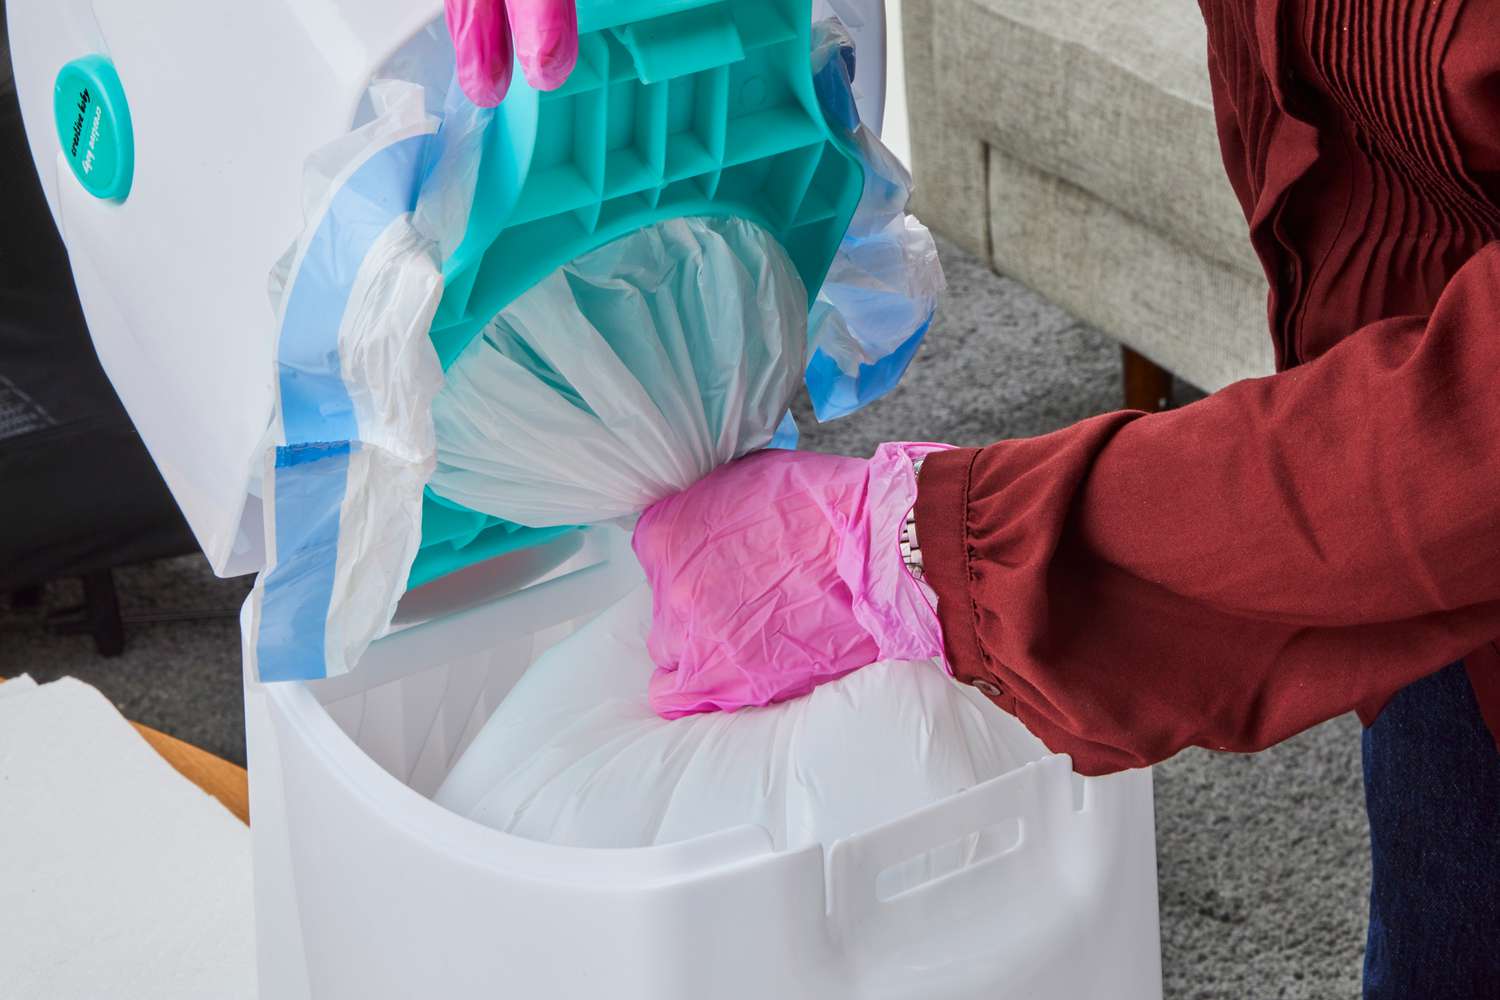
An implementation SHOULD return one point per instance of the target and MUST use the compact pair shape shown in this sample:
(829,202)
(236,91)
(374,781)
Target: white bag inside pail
(575,755)
(622,378)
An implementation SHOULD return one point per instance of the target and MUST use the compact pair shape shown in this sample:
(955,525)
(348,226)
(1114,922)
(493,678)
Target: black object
(1432,778)
(79,494)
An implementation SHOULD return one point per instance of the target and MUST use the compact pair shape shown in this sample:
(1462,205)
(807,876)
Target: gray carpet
(1263,861)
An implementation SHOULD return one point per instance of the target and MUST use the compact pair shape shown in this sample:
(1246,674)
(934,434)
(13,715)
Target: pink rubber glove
(779,572)
(544,34)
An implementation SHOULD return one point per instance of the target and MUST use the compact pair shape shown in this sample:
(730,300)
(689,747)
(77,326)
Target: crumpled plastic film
(625,376)
(351,442)
(881,293)
(575,756)
(781,572)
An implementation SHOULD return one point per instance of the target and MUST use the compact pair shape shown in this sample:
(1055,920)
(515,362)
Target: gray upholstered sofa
(1071,144)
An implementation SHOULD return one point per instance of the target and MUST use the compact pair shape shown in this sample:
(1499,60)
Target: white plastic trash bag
(575,755)
(625,376)
(882,290)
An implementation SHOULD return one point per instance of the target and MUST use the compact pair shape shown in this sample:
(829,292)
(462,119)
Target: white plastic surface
(227,100)
(370,890)
(576,756)
(119,878)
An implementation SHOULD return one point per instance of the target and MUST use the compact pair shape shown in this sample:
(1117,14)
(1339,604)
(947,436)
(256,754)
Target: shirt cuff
(942,531)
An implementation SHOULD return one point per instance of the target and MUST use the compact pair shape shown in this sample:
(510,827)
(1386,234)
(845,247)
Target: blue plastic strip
(312,469)
(787,435)
(831,84)
(310,483)
(315,405)
(835,394)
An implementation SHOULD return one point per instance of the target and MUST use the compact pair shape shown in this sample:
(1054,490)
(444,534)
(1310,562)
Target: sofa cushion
(1202,319)
(1110,95)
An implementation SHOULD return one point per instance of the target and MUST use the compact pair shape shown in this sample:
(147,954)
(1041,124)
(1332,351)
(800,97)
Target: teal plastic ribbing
(677,108)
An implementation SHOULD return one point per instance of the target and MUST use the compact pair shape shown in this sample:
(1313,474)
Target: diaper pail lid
(676,108)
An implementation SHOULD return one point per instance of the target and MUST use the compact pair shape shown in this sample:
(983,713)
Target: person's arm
(1231,573)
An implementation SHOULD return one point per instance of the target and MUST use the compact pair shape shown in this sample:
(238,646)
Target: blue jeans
(1432,790)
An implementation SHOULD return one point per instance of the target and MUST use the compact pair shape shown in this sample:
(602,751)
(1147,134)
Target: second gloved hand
(779,572)
(489,35)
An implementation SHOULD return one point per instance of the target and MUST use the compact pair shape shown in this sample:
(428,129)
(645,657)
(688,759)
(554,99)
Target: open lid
(676,108)
(224,102)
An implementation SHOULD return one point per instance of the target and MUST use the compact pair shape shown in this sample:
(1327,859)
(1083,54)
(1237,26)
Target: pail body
(366,889)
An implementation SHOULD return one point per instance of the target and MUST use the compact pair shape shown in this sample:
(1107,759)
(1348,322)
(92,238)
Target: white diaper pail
(365,888)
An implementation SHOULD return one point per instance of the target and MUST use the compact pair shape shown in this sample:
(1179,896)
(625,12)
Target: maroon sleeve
(1228,574)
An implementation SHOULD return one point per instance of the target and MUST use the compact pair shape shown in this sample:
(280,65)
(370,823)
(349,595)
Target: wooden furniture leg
(98,616)
(1148,386)
(102,612)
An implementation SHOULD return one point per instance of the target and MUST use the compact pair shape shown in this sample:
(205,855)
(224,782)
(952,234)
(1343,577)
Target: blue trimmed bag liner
(351,445)
(882,291)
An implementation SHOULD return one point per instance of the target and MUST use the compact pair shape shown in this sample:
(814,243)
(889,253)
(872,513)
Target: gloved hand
(544,34)
(781,571)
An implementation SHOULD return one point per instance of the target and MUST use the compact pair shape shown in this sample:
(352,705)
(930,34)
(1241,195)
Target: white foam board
(17,685)
(119,878)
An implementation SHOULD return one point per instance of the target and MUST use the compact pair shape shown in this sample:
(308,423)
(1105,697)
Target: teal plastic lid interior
(677,108)
(93,126)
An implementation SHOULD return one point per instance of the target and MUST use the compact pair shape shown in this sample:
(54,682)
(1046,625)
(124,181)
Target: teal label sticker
(93,126)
